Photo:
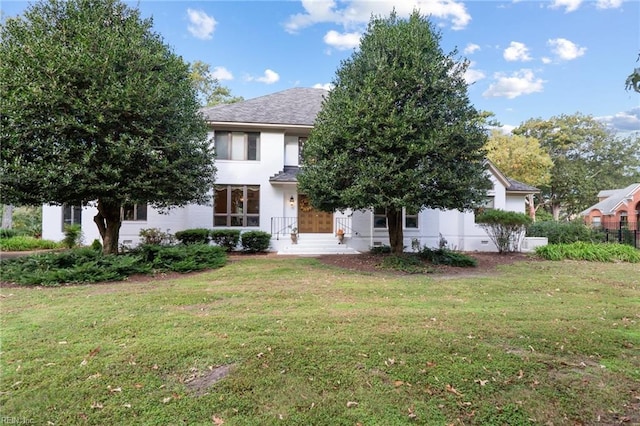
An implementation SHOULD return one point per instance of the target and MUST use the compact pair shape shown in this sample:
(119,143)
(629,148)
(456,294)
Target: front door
(311,220)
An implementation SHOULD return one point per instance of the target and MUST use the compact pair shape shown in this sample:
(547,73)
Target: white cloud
(221,73)
(342,41)
(516,52)
(568,5)
(325,86)
(566,50)
(546,60)
(201,25)
(520,83)
(608,4)
(269,77)
(471,48)
(356,13)
(622,122)
(472,75)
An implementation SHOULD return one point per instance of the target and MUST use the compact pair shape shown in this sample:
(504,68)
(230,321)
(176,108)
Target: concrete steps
(316,244)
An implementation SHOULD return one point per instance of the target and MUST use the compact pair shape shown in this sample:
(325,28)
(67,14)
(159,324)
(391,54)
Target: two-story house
(257,145)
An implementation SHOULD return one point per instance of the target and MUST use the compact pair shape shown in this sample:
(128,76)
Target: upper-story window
(240,146)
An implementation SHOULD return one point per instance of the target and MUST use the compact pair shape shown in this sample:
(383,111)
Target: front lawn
(291,341)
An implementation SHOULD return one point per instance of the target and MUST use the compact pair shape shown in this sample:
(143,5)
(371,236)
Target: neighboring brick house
(616,209)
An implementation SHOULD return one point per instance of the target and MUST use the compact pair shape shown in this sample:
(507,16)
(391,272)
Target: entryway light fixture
(292,201)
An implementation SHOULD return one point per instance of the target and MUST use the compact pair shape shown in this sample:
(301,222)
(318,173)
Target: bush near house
(562,232)
(194,236)
(505,228)
(255,241)
(228,239)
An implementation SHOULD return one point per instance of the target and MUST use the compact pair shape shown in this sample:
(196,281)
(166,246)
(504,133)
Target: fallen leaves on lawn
(452,390)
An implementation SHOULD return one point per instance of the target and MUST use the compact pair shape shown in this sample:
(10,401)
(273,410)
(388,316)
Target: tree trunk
(532,207)
(7,216)
(396,237)
(108,221)
(555,210)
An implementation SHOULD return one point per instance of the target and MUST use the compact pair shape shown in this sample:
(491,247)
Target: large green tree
(521,158)
(398,130)
(587,157)
(210,91)
(97,109)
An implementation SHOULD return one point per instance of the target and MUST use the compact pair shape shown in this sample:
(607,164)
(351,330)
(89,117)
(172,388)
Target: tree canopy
(587,158)
(210,91)
(97,109)
(397,131)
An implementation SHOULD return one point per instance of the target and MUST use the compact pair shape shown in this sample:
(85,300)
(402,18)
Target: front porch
(287,239)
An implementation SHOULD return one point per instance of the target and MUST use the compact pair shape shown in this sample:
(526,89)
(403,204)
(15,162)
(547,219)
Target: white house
(258,145)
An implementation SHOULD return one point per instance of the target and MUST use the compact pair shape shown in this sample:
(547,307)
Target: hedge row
(228,239)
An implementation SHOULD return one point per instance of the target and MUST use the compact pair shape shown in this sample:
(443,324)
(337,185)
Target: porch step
(317,244)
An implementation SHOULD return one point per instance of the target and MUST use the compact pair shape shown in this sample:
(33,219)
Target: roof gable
(617,196)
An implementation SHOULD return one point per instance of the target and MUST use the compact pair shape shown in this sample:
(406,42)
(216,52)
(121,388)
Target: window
(134,212)
(596,221)
(236,205)
(380,218)
(411,219)
(624,220)
(71,215)
(237,146)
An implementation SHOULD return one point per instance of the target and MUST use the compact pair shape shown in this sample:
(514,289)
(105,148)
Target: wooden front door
(311,220)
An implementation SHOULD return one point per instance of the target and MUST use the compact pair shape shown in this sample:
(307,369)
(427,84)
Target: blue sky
(529,59)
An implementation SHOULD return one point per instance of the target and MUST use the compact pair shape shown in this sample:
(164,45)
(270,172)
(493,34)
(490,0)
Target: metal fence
(621,232)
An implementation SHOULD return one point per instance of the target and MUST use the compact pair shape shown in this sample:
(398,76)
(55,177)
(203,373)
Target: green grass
(26,243)
(537,342)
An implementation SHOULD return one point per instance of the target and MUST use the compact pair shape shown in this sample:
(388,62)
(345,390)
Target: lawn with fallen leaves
(266,341)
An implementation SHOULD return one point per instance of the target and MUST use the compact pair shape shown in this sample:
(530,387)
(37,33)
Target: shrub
(187,258)
(580,250)
(383,249)
(255,241)
(405,263)
(26,243)
(561,232)
(445,256)
(228,239)
(72,236)
(89,265)
(72,266)
(155,236)
(193,236)
(8,233)
(96,245)
(505,228)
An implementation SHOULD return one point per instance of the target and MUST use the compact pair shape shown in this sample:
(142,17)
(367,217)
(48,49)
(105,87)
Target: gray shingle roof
(287,175)
(296,106)
(617,196)
(517,186)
